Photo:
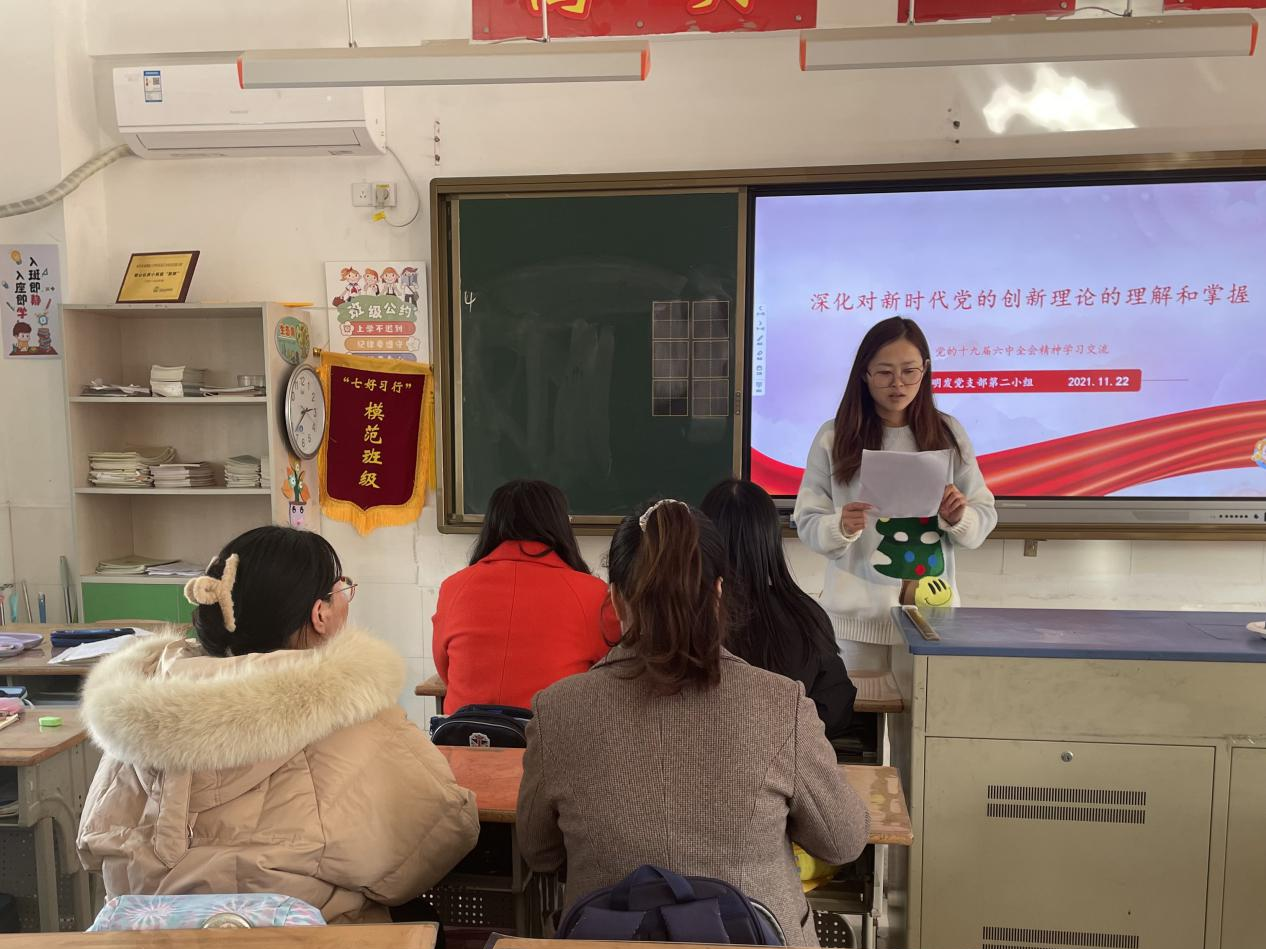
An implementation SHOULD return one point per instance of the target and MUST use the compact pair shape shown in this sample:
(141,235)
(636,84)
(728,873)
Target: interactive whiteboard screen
(1095,340)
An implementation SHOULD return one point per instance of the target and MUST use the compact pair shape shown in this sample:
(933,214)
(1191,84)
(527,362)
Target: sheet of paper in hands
(904,484)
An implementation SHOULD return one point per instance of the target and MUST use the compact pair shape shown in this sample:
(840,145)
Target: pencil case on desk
(75,638)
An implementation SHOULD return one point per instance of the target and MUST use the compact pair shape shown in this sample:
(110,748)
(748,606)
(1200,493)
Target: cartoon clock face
(305,412)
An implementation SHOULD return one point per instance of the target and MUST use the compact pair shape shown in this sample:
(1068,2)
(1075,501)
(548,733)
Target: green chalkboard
(560,303)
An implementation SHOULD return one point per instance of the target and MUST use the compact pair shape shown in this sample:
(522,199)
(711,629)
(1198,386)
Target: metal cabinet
(1063,844)
(1243,881)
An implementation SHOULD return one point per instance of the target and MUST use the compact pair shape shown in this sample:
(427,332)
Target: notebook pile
(130,468)
(99,387)
(183,475)
(242,472)
(253,391)
(176,381)
(175,569)
(129,565)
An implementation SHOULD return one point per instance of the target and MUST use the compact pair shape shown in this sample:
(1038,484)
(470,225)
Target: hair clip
(646,516)
(208,590)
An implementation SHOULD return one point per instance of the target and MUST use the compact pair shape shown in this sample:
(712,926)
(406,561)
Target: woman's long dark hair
(282,572)
(525,510)
(776,625)
(858,426)
(666,580)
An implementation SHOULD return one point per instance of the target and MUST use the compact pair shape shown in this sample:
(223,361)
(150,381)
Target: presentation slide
(1104,340)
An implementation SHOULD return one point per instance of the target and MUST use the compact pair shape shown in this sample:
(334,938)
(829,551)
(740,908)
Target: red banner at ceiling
(928,11)
(1214,4)
(509,19)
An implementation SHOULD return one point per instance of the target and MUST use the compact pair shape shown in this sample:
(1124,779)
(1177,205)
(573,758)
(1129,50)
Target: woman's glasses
(888,376)
(348,588)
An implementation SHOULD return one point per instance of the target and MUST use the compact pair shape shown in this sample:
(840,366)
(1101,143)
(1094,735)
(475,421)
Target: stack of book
(183,475)
(266,480)
(252,391)
(98,387)
(242,472)
(130,468)
(175,569)
(129,565)
(176,381)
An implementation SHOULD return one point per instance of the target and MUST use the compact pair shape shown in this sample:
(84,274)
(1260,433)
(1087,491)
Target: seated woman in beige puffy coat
(269,753)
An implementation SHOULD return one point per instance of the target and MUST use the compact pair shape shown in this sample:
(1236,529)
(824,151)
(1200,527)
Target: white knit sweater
(857,597)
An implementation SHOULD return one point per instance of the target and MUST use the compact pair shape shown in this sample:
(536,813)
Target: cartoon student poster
(377,308)
(30,301)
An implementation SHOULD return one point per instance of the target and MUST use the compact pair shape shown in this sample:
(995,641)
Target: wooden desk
(433,686)
(36,661)
(330,936)
(880,788)
(494,776)
(877,691)
(27,743)
(53,766)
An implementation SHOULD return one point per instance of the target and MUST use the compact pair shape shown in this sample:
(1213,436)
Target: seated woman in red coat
(527,612)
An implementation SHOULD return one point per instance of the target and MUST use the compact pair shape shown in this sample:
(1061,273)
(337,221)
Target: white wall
(46,95)
(264,226)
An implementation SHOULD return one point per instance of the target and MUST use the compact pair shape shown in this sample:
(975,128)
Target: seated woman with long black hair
(777,626)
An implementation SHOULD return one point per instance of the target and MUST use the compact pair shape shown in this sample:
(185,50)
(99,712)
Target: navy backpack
(654,904)
(482,724)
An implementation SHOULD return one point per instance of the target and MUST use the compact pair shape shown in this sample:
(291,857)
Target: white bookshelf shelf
(168,311)
(174,401)
(212,490)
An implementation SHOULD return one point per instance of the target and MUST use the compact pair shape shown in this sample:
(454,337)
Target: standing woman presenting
(888,404)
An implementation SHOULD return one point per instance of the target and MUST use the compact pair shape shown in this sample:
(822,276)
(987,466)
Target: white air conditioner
(197,111)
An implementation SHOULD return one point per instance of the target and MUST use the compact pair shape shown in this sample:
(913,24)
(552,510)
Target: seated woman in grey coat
(672,751)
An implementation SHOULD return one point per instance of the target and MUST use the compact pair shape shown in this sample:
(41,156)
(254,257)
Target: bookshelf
(118,343)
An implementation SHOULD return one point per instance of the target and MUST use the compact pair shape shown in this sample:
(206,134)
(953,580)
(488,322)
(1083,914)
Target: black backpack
(654,904)
(479,724)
